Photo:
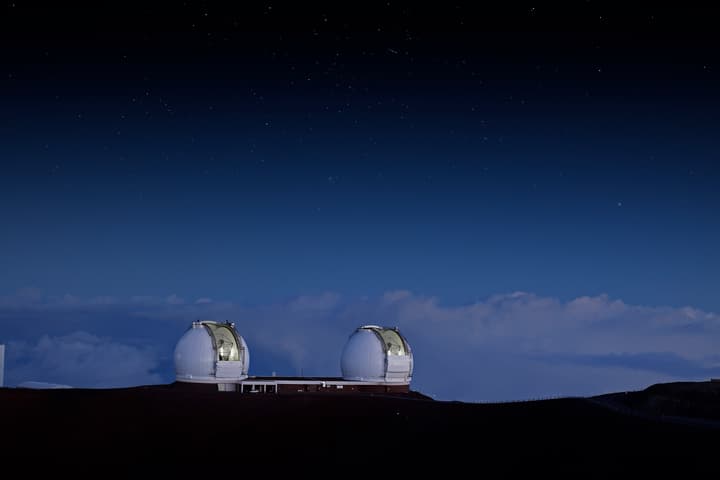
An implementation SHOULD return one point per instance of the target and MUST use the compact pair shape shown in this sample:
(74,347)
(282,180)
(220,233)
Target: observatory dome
(377,354)
(211,352)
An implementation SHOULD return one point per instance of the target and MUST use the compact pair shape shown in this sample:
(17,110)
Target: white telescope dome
(211,352)
(377,354)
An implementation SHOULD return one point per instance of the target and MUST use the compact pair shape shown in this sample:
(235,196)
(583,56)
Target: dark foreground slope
(123,431)
(680,402)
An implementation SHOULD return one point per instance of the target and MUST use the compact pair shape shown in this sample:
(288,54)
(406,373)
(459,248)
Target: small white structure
(377,354)
(211,352)
(2,365)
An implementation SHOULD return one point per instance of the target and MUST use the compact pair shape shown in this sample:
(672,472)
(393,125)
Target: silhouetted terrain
(696,401)
(176,431)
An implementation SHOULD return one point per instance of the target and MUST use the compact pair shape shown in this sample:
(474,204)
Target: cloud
(659,362)
(174,300)
(81,359)
(537,346)
(506,347)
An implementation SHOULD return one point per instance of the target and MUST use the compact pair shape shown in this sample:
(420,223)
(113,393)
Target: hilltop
(178,431)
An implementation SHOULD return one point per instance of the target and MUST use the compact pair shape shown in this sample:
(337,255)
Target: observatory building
(377,354)
(214,355)
(211,352)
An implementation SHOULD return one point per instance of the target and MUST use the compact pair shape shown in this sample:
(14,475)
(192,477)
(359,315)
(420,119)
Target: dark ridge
(181,431)
(678,401)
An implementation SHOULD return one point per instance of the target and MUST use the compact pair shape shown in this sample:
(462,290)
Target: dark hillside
(177,431)
(697,401)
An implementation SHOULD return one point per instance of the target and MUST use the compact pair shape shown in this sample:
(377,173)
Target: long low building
(375,359)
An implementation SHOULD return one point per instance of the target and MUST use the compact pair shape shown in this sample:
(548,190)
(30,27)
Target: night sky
(530,189)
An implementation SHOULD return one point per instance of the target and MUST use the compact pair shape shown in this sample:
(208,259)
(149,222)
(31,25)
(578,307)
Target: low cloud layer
(81,359)
(506,347)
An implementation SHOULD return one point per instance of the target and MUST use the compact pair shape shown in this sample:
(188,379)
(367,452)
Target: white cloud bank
(506,347)
(81,359)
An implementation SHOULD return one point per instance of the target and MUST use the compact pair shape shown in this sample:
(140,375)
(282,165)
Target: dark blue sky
(568,157)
